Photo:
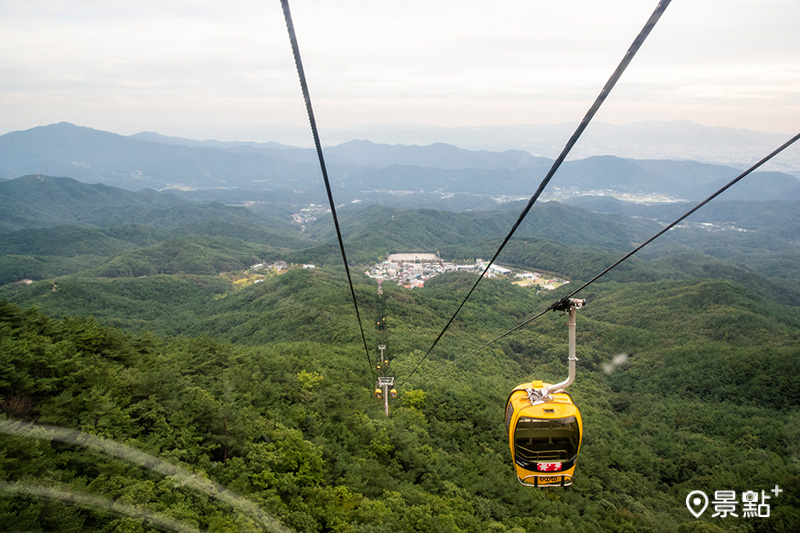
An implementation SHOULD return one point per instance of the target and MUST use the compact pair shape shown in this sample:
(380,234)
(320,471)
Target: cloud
(151,64)
(616,362)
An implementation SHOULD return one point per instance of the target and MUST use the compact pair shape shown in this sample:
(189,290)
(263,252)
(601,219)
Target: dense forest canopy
(143,369)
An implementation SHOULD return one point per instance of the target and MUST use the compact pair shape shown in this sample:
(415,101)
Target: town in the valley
(412,270)
(409,270)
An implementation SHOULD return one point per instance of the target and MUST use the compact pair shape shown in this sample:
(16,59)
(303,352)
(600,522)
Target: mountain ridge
(361,169)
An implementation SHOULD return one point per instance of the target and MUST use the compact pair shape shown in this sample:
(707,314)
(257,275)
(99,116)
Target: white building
(499,270)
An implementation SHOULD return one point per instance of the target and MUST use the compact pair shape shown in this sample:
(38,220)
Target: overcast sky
(218,69)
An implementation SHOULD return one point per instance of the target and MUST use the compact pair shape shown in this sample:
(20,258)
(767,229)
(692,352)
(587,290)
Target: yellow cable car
(544,435)
(544,427)
(393,393)
(379,393)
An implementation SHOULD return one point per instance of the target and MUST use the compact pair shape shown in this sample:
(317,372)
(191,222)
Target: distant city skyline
(206,69)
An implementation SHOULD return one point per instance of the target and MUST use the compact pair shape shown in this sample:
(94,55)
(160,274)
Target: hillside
(779,217)
(281,410)
(37,201)
(58,226)
(422,229)
(760,236)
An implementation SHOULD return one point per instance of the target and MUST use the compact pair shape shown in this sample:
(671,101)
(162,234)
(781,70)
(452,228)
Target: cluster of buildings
(308,215)
(412,270)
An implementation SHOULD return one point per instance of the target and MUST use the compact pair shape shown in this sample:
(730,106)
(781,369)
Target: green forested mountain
(187,255)
(37,201)
(56,226)
(778,217)
(281,412)
(41,201)
(428,228)
(153,381)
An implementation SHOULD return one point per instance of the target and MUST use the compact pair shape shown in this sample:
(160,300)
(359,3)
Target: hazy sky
(218,69)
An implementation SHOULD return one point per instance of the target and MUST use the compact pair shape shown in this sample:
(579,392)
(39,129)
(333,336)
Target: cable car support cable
(560,304)
(629,55)
(307,97)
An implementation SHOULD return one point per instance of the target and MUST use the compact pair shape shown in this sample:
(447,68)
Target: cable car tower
(544,427)
(382,388)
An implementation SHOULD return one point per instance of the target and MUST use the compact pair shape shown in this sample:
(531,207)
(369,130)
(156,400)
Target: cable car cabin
(379,393)
(393,393)
(544,436)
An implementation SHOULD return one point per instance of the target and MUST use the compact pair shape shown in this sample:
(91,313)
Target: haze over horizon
(206,70)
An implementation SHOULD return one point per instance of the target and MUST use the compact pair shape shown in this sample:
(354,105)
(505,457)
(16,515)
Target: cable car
(544,435)
(544,426)
(393,393)
(379,393)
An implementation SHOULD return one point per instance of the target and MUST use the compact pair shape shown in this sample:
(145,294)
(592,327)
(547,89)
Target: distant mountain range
(358,169)
(679,139)
(676,139)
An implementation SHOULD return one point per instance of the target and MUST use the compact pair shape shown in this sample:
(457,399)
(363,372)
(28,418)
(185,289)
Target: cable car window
(538,439)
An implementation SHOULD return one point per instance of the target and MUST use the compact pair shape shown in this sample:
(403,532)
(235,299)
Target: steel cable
(560,302)
(629,55)
(307,97)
